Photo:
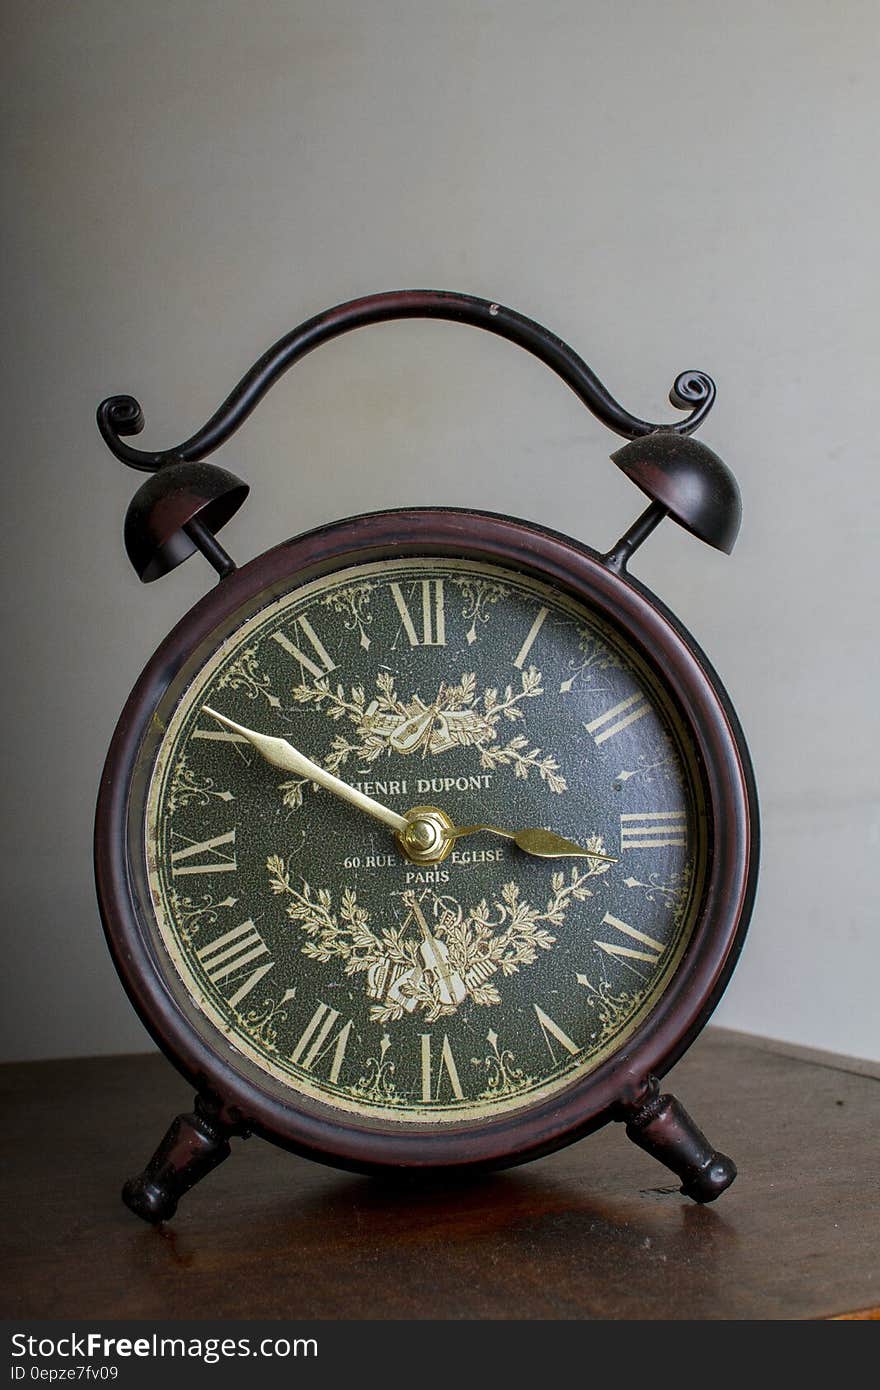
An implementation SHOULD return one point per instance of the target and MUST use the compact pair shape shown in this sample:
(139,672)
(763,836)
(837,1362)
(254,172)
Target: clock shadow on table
(595,1230)
(518,1244)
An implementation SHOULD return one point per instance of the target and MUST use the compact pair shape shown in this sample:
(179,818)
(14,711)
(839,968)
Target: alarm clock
(427,840)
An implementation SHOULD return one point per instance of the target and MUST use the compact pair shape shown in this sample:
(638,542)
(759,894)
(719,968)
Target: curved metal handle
(119,416)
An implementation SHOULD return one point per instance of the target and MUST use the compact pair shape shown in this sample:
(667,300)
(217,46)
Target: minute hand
(281,754)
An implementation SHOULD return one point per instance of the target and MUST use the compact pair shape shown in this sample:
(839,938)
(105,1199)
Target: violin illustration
(396,984)
(435,956)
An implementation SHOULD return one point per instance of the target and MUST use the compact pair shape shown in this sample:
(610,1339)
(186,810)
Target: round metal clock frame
(164,526)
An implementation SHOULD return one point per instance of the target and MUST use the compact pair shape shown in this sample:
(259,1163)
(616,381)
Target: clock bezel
(321,1131)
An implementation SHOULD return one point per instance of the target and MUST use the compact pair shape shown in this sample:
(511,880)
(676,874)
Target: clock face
(423,994)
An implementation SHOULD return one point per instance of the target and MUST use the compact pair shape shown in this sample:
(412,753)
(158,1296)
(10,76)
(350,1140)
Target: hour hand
(281,754)
(542,843)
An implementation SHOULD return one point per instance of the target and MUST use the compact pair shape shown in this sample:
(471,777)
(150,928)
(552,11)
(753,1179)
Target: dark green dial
(425,993)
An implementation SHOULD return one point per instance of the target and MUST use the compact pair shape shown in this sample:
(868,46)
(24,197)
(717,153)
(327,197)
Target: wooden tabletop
(598,1230)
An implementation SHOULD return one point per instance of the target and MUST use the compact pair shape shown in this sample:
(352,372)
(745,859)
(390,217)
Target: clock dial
(424,993)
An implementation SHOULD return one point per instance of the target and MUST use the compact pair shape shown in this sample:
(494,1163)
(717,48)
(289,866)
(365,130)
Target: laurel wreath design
(404,970)
(457,717)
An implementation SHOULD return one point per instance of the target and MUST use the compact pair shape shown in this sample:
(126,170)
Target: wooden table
(596,1231)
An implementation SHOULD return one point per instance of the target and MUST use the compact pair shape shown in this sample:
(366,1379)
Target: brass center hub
(427,838)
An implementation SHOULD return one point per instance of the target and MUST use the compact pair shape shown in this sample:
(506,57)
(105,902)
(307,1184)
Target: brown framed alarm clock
(427,840)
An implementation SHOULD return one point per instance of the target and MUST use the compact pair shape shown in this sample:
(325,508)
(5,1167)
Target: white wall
(666,186)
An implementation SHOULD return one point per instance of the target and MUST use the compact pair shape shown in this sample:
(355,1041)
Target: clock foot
(194,1145)
(661,1126)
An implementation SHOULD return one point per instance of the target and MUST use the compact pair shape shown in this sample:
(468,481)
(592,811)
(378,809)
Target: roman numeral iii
(652,829)
(425,626)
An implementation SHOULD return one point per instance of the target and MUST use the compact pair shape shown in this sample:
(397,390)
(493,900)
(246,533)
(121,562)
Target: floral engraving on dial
(594,657)
(440,954)
(457,717)
(609,1008)
(202,911)
(656,764)
(263,1021)
(377,1082)
(503,1076)
(189,787)
(245,674)
(353,606)
(479,595)
(672,894)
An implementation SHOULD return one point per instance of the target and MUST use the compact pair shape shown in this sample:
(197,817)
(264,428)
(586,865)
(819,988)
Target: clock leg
(193,1146)
(661,1126)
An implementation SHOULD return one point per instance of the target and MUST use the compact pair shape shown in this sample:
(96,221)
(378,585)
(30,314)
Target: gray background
(666,186)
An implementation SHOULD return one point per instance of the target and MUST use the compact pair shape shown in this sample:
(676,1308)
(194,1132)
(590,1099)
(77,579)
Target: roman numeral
(221,735)
(652,829)
(315,1042)
(430,1088)
(317,668)
(551,1029)
(228,957)
(651,950)
(238,741)
(519,659)
(618,717)
(216,857)
(428,627)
